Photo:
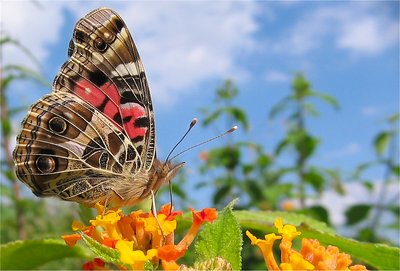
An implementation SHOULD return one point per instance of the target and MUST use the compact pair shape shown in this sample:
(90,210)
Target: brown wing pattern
(105,70)
(93,138)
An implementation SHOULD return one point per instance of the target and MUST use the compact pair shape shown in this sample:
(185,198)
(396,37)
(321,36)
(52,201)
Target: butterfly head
(164,172)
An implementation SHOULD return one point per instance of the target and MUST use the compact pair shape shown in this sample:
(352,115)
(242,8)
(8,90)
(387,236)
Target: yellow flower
(297,262)
(288,232)
(109,223)
(136,258)
(266,248)
(139,237)
(312,255)
(151,224)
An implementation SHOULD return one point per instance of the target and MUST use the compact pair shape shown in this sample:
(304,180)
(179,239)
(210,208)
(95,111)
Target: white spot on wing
(125,69)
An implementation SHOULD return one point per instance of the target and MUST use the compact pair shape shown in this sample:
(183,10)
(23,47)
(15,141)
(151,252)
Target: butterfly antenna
(234,128)
(191,125)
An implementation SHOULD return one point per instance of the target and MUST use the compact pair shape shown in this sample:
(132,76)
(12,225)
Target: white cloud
(28,23)
(370,111)
(277,77)
(347,150)
(368,34)
(356,193)
(182,44)
(360,27)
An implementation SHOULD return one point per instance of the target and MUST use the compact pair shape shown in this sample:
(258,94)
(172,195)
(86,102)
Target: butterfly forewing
(93,138)
(105,70)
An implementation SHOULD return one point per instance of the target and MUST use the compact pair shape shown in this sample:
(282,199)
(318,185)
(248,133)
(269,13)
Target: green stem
(389,163)
(300,160)
(20,216)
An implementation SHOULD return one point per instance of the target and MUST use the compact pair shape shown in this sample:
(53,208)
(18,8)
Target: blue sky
(349,50)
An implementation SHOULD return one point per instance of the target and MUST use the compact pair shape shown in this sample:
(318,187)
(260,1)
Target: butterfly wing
(105,70)
(93,137)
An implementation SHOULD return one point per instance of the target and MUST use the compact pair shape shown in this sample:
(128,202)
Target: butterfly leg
(154,211)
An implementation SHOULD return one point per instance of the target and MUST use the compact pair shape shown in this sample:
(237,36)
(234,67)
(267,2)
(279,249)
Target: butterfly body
(93,138)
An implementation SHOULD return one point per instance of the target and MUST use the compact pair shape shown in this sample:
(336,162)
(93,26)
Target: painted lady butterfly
(93,138)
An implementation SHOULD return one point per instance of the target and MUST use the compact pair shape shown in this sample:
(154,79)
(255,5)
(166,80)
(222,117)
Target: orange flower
(96,264)
(139,237)
(312,255)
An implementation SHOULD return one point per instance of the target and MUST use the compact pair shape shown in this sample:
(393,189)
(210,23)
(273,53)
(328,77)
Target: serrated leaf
(222,238)
(357,213)
(381,142)
(108,254)
(31,254)
(379,256)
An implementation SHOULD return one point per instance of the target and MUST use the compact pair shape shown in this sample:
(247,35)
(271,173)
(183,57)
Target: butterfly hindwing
(68,149)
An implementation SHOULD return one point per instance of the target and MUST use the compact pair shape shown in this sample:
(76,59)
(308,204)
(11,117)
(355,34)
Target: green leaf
(396,170)
(281,146)
(27,73)
(305,144)
(317,212)
(314,178)
(6,126)
(310,108)
(238,115)
(108,254)
(7,40)
(85,213)
(212,117)
(360,169)
(357,213)
(221,193)
(327,98)
(301,87)
(254,190)
(6,191)
(222,238)
(379,256)
(394,118)
(31,254)
(279,107)
(381,142)
(228,91)
(264,220)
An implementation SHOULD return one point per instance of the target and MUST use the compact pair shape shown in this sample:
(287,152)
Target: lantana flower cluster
(139,236)
(312,256)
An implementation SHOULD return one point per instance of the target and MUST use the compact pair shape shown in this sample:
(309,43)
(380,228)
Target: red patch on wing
(107,97)
(136,111)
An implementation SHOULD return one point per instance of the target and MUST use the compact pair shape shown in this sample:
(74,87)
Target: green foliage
(108,254)
(222,238)
(357,213)
(381,142)
(242,169)
(224,97)
(31,254)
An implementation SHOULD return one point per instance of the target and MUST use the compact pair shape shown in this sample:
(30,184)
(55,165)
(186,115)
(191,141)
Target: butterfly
(92,139)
